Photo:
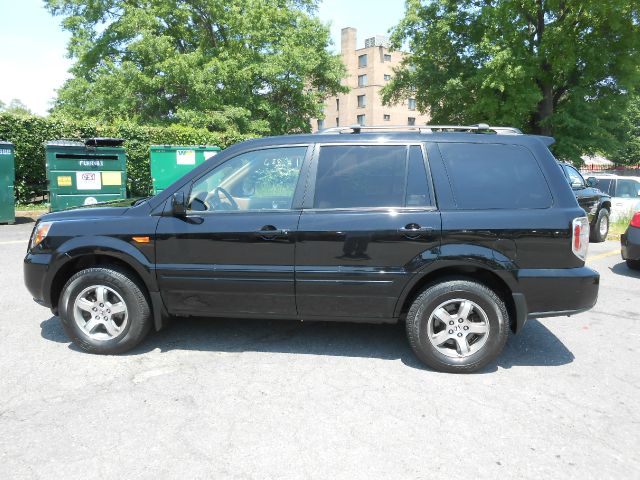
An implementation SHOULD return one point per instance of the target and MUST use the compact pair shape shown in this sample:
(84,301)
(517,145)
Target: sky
(33,62)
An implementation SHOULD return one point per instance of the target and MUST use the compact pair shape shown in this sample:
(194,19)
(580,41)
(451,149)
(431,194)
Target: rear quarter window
(494,176)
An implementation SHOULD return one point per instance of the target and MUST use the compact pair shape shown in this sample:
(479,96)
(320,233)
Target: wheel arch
(461,272)
(87,260)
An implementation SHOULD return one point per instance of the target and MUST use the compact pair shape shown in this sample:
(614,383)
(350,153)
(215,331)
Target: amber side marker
(141,239)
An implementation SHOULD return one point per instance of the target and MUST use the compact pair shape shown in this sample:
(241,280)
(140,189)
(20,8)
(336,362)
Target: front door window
(258,180)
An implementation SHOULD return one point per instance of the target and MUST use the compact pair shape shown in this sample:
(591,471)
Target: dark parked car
(460,232)
(630,242)
(596,203)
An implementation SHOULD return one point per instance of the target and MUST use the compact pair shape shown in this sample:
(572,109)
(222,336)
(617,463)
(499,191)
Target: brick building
(368,70)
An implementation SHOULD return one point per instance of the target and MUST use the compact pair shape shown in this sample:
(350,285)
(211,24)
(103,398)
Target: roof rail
(480,127)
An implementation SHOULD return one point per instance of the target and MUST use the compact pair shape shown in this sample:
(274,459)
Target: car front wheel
(600,228)
(104,310)
(457,326)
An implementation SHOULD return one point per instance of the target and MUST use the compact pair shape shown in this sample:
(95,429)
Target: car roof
(604,176)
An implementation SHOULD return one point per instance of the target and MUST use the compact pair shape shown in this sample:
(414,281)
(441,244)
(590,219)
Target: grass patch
(32,207)
(619,227)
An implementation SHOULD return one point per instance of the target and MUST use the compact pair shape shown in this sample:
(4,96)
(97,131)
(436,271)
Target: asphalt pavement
(244,399)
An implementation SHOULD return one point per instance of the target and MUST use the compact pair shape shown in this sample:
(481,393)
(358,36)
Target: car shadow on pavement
(535,346)
(622,269)
(21,220)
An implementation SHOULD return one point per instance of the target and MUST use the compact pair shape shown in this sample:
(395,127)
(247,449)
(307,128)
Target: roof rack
(478,128)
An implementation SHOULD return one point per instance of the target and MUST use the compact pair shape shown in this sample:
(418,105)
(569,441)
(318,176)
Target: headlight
(40,233)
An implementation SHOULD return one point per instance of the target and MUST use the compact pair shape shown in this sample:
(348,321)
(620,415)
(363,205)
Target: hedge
(30,133)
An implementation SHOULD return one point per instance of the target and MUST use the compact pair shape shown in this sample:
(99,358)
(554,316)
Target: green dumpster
(7,179)
(85,173)
(170,162)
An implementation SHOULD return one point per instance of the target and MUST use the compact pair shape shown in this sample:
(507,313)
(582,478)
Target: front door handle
(270,232)
(413,230)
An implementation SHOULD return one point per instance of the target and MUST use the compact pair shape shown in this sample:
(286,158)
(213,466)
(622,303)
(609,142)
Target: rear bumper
(555,292)
(630,244)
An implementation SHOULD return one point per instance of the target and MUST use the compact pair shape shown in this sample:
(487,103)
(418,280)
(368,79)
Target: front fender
(77,247)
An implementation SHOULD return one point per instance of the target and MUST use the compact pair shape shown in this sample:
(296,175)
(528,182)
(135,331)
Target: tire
(487,309)
(633,264)
(600,228)
(111,287)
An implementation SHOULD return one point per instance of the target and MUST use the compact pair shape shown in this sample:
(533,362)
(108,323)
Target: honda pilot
(462,233)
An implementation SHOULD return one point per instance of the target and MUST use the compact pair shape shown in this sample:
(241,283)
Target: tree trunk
(544,110)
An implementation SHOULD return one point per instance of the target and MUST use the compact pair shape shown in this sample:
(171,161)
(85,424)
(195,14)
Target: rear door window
(493,176)
(370,176)
(627,188)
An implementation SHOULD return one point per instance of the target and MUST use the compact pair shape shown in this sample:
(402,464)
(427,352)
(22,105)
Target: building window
(412,104)
(320,124)
(362,61)
(338,104)
(360,119)
(411,121)
(362,80)
(387,57)
(387,77)
(337,121)
(386,118)
(362,101)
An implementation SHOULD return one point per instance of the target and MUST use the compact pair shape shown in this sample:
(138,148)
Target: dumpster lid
(4,142)
(104,142)
(64,143)
(89,142)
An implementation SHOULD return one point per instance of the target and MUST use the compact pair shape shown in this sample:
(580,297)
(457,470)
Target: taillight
(635,220)
(580,237)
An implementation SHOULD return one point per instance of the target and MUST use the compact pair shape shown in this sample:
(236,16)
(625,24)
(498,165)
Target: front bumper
(630,244)
(35,269)
(555,292)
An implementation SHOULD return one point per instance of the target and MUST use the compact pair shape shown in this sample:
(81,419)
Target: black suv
(596,203)
(461,232)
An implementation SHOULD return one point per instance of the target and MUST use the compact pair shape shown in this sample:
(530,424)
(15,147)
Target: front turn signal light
(40,233)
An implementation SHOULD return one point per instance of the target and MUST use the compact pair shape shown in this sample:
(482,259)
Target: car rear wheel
(600,228)
(633,264)
(103,310)
(458,326)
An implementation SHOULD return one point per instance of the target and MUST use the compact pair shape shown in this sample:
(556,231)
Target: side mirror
(592,181)
(178,204)
(577,184)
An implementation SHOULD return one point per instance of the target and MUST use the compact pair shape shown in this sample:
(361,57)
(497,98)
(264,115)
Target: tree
(251,65)
(15,107)
(551,67)
(629,151)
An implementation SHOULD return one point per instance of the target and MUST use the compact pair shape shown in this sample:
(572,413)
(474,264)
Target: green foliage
(629,151)
(277,177)
(249,66)
(547,66)
(30,133)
